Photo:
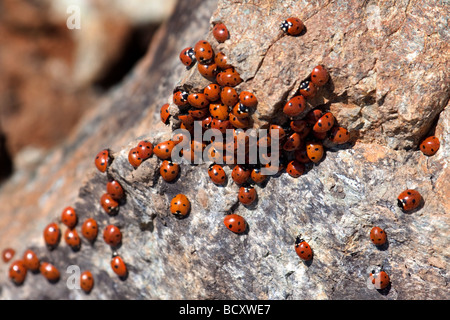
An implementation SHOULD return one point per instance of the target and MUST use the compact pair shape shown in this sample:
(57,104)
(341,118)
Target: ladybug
(380,280)
(221,61)
(8,254)
(180,205)
(294,106)
(229,96)
(199,113)
(325,123)
(186,119)
(248,99)
(339,135)
(298,125)
(221,125)
(164,113)
(247,195)
(72,239)
(69,217)
(209,71)
(235,223)
(378,236)
(301,156)
(319,76)
(198,100)
(112,235)
(218,111)
(320,135)
(430,146)
(240,111)
(115,190)
(17,272)
(31,260)
(212,92)
(86,281)
(118,266)
(187,56)
(206,122)
(89,229)
(169,170)
(303,249)
(101,160)
(240,123)
(108,204)
(145,149)
(313,116)
(409,200)
(49,271)
(180,98)
(307,89)
(295,168)
(314,150)
(181,139)
(292,26)
(52,235)
(257,176)
(164,149)
(293,142)
(279,129)
(204,53)
(228,78)
(134,158)
(240,174)
(220,32)
(217,174)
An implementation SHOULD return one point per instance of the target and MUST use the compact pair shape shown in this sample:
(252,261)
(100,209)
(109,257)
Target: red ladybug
(314,150)
(17,272)
(325,123)
(221,125)
(204,53)
(295,106)
(101,160)
(220,32)
(292,26)
(301,156)
(86,281)
(115,190)
(298,125)
(217,174)
(378,236)
(218,111)
(409,200)
(198,100)
(293,142)
(303,249)
(240,111)
(313,116)
(49,271)
(257,176)
(209,71)
(307,89)
(247,195)
(164,113)
(380,280)
(134,158)
(164,149)
(69,217)
(198,114)
(339,135)
(31,260)
(169,170)
(72,239)
(108,204)
(248,99)
(180,205)
(221,61)
(112,235)
(52,235)
(295,168)
(240,174)
(89,229)
(240,123)
(187,56)
(145,149)
(180,98)
(8,254)
(229,96)
(430,146)
(212,92)
(319,76)
(118,266)
(279,129)
(235,223)
(320,135)
(228,78)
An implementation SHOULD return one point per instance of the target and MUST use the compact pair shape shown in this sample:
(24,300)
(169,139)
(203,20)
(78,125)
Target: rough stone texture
(389,86)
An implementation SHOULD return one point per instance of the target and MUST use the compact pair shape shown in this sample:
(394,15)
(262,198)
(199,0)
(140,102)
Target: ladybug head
(298,240)
(284,26)
(400,203)
(304,85)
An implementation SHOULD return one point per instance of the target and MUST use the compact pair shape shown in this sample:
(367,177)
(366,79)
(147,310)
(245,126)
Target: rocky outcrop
(389,86)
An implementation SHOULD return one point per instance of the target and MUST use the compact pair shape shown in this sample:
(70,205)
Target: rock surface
(389,69)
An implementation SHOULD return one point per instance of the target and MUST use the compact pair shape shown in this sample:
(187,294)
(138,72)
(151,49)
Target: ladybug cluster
(219,105)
